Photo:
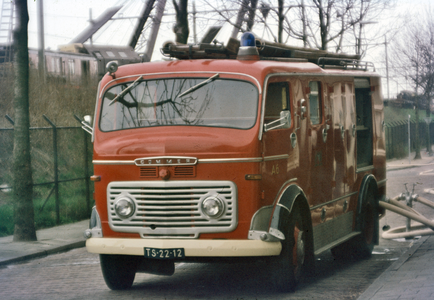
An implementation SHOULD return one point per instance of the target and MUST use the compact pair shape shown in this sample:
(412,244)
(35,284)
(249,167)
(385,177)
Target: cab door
(278,154)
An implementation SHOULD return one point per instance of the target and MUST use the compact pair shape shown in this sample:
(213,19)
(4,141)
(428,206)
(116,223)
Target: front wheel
(296,257)
(118,270)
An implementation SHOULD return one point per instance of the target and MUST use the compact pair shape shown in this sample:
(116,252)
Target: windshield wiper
(199,85)
(121,94)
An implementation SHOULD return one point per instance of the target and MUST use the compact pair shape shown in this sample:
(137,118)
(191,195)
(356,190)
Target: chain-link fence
(397,137)
(61,168)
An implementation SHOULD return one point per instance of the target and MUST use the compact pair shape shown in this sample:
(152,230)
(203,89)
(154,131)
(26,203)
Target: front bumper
(192,248)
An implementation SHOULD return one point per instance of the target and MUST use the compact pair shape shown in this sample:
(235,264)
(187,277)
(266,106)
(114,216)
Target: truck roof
(258,69)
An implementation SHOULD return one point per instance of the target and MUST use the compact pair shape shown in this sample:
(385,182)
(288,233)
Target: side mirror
(88,119)
(285,118)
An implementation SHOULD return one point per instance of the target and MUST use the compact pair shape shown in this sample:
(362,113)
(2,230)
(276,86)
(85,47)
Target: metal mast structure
(6,27)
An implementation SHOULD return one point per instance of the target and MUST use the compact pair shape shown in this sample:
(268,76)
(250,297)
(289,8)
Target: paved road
(76,274)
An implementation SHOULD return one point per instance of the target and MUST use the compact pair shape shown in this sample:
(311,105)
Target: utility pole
(91,23)
(41,42)
(417,145)
(194,23)
(387,69)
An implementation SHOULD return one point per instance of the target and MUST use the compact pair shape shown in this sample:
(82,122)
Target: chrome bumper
(192,248)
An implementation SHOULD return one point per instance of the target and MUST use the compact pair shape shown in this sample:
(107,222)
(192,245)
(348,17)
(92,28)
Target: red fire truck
(251,150)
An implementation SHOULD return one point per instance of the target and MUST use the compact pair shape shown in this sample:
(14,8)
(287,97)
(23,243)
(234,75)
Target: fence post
(409,135)
(56,174)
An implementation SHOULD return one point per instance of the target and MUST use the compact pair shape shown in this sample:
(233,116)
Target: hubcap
(300,249)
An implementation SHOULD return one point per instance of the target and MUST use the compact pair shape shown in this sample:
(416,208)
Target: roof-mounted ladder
(267,51)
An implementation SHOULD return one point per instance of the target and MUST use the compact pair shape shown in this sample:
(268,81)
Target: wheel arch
(283,208)
(291,200)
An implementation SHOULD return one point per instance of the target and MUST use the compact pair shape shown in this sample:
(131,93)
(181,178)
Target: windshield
(210,101)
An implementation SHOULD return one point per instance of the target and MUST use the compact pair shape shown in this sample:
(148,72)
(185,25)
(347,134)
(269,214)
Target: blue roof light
(248,40)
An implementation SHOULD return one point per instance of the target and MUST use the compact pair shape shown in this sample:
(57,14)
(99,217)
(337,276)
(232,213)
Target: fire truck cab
(263,152)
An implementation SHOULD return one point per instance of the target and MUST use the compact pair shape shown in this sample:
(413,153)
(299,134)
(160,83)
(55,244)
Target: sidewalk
(405,163)
(410,277)
(50,241)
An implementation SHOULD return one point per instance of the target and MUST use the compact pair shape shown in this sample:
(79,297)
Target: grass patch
(6,220)
(396,114)
(73,207)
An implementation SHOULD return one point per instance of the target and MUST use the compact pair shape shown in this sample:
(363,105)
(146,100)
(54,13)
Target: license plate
(164,253)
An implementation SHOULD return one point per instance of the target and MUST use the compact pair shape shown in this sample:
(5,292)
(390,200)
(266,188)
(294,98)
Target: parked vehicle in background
(252,151)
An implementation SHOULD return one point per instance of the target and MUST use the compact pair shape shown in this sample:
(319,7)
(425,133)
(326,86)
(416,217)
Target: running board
(337,242)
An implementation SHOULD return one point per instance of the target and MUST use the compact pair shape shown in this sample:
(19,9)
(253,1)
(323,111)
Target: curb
(42,253)
(379,282)
(393,167)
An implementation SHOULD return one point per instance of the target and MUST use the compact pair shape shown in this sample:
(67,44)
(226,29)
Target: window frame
(319,103)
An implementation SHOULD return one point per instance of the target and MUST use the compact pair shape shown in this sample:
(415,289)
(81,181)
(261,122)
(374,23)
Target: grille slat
(172,208)
(150,172)
(164,197)
(184,171)
(169,191)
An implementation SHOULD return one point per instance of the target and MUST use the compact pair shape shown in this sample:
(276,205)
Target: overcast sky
(65,19)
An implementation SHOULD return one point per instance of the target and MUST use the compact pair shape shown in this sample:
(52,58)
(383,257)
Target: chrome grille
(172,208)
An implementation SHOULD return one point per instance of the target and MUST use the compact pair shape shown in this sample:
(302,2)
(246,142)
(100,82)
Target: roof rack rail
(266,50)
(347,64)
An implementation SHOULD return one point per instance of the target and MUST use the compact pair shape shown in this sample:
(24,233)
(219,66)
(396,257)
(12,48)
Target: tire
(361,246)
(296,257)
(118,270)
(364,243)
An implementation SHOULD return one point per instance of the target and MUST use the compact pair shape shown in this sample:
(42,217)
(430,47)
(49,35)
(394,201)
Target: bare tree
(251,14)
(22,173)
(181,26)
(322,23)
(414,59)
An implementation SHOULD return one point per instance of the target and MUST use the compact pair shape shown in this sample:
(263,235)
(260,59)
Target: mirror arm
(85,126)
(271,125)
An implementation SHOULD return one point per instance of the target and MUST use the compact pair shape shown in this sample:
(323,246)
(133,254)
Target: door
(364,122)
(278,154)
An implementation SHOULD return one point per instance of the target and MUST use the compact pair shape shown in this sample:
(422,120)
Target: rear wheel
(364,243)
(296,257)
(118,270)
(361,246)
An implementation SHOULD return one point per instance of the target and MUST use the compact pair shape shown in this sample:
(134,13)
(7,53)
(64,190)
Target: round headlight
(213,207)
(124,207)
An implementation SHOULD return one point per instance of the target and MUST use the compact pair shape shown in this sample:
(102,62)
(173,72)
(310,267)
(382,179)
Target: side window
(315,102)
(277,100)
